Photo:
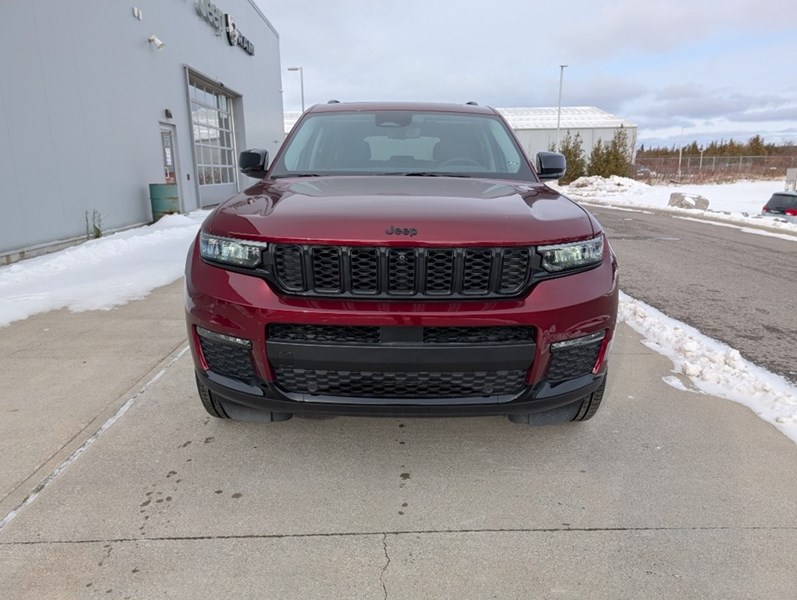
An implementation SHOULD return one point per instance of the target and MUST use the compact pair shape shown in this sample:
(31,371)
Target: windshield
(403,142)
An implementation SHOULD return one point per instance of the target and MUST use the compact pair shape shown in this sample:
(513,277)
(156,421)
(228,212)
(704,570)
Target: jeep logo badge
(410,231)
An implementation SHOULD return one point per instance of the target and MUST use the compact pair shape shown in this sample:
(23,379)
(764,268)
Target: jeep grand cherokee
(401,259)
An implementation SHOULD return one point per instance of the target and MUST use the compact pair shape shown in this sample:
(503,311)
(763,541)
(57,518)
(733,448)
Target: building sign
(223,23)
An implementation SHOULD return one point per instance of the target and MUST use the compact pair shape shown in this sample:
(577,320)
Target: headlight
(239,253)
(563,257)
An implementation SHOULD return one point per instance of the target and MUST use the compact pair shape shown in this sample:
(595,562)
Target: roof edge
(262,16)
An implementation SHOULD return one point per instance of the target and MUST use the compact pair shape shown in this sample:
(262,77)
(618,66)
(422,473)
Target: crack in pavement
(280,536)
(387,564)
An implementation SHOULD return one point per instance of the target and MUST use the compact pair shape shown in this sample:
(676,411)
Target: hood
(401,211)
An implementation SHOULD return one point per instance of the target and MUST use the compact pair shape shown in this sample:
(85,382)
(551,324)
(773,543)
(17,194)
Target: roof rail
(333,101)
(472,103)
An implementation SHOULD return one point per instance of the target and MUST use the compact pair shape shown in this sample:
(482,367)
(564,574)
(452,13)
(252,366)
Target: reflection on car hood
(441,210)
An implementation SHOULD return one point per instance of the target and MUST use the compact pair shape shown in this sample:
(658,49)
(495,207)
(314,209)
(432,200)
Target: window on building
(214,144)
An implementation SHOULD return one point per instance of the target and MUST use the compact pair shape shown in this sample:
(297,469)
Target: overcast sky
(710,68)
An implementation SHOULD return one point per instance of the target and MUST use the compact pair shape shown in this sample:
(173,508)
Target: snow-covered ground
(712,367)
(101,273)
(118,268)
(739,202)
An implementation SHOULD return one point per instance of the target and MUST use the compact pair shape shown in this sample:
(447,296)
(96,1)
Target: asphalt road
(737,287)
(122,487)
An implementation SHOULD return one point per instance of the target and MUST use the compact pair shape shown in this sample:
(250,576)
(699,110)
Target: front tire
(591,404)
(216,407)
(211,405)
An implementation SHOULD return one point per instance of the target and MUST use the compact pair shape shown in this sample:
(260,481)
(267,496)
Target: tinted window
(782,202)
(381,142)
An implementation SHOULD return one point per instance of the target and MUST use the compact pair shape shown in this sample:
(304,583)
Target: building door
(170,159)
(214,140)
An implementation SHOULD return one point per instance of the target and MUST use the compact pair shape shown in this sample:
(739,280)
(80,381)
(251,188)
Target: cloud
(677,64)
(678,91)
(622,26)
(787,114)
(608,93)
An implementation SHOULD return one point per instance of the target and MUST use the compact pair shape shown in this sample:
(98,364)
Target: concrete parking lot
(664,494)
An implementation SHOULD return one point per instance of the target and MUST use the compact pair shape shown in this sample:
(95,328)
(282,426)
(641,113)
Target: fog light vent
(227,355)
(575,357)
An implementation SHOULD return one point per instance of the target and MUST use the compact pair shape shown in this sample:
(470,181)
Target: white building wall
(535,127)
(82,97)
(541,140)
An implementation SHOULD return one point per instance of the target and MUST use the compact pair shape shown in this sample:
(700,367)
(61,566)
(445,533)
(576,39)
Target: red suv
(401,259)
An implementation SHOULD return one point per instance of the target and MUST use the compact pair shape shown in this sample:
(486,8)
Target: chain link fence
(714,168)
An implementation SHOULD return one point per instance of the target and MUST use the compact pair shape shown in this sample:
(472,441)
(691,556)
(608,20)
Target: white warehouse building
(99,99)
(536,127)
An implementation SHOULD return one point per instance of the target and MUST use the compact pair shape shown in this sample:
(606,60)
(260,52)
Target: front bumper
(243,307)
(237,399)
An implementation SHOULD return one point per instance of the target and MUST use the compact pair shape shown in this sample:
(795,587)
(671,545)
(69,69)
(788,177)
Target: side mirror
(551,165)
(253,163)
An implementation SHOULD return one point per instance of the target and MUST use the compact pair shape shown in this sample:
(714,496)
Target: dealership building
(99,99)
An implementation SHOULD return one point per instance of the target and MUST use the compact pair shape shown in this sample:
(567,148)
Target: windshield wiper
(426,174)
(289,175)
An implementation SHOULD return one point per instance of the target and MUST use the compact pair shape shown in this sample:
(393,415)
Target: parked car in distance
(782,205)
(401,260)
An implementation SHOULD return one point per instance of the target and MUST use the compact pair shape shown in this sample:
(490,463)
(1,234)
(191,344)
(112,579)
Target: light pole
(559,111)
(301,81)
(681,152)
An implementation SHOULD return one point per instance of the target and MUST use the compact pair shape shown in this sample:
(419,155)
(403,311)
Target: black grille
(335,334)
(439,271)
(364,270)
(515,268)
(573,361)
(478,265)
(477,335)
(288,260)
(356,334)
(228,359)
(369,384)
(401,272)
(326,269)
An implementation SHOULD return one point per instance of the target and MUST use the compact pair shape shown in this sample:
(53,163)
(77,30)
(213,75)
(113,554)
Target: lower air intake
(370,384)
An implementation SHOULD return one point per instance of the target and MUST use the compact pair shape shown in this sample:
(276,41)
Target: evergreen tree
(756,146)
(573,150)
(618,154)
(692,149)
(597,161)
(612,159)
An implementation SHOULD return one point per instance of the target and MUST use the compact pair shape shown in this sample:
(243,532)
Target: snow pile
(101,273)
(596,185)
(713,367)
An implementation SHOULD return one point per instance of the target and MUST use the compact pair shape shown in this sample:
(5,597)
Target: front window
(402,142)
